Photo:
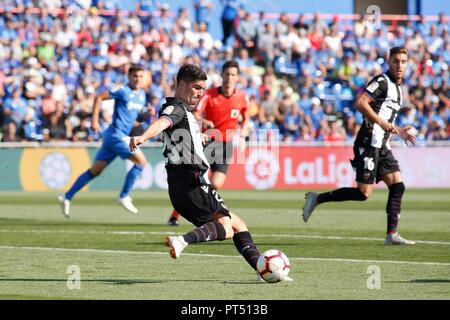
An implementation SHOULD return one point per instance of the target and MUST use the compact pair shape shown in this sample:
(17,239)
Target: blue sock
(131,177)
(81,181)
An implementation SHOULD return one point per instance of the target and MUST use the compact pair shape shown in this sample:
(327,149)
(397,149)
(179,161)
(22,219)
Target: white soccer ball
(273,266)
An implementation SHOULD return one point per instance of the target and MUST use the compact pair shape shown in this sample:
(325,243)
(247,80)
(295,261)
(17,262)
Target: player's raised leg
(361,193)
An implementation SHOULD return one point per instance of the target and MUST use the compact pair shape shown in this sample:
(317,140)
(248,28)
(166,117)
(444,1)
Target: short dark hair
(190,73)
(135,68)
(396,50)
(230,64)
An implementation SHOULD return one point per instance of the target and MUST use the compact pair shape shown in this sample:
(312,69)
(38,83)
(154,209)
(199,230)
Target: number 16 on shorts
(369,164)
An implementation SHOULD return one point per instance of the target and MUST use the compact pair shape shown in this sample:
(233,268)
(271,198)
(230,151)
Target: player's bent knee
(95,172)
(364,195)
(229,232)
(224,223)
(397,188)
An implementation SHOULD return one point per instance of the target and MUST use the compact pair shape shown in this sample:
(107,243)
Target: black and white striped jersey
(387,100)
(183,147)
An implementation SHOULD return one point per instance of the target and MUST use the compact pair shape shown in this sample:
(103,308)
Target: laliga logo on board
(55,170)
(262,169)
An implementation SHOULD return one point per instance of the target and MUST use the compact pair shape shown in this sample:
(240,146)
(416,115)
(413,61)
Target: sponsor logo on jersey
(134,106)
(392,105)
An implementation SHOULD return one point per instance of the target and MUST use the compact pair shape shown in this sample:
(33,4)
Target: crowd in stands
(301,75)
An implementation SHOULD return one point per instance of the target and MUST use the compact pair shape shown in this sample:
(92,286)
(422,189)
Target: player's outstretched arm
(155,128)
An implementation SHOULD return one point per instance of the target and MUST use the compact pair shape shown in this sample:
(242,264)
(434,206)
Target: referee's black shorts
(193,198)
(219,154)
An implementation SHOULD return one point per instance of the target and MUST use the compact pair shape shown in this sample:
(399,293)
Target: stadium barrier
(33,167)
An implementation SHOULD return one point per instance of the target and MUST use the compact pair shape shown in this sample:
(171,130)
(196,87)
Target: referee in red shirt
(221,110)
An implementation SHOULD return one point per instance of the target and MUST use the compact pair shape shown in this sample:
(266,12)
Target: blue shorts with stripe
(114,146)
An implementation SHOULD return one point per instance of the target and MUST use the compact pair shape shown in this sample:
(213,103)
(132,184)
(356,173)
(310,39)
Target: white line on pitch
(77,250)
(302,236)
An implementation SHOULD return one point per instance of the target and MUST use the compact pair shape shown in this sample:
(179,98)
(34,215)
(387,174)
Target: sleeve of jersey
(116,93)
(376,88)
(174,113)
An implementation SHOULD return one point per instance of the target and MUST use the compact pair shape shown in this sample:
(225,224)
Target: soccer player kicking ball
(129,101)
(374,161)
(190,192)
(222,107)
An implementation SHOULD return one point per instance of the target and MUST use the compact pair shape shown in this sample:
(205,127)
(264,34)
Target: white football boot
(127,203)
(177,245)
(65,206)
(395,238)
(310,205)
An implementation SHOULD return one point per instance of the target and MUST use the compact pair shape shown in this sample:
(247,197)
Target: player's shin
(210,231)
(342,194)
(131,177)
(246,247)
(81,181)
(393,207)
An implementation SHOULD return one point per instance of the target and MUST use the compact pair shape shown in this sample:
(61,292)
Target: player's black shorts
(371,163)
(218,154)
(193,198)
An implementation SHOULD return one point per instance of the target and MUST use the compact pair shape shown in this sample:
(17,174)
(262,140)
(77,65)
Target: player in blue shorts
(129,101)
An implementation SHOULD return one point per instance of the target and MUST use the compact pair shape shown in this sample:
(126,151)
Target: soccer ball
(273,266)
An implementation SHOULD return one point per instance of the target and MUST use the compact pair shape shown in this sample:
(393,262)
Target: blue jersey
(127,106)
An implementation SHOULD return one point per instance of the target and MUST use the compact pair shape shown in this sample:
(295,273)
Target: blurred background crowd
(301,73)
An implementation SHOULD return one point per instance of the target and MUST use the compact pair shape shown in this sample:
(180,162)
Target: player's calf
(393,206)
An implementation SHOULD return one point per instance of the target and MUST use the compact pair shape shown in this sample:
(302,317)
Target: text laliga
(313,172)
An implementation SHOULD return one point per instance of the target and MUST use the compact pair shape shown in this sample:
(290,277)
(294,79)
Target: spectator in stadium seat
(291,124)
(247,32)
(347,68)
(300,23)
(83,132)
(14,111)
(202,11)
(229,15)
(146,7)
(335,133)
(266,45)
(57,126)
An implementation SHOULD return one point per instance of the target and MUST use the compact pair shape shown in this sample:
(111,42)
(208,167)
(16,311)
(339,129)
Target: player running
(374,161)
(129,101)
(222,109)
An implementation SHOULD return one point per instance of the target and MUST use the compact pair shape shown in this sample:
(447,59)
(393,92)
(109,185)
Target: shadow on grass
(104,281)
(128,281)
(426,281)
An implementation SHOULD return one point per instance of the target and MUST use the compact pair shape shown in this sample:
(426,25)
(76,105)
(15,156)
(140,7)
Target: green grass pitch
(122,256)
